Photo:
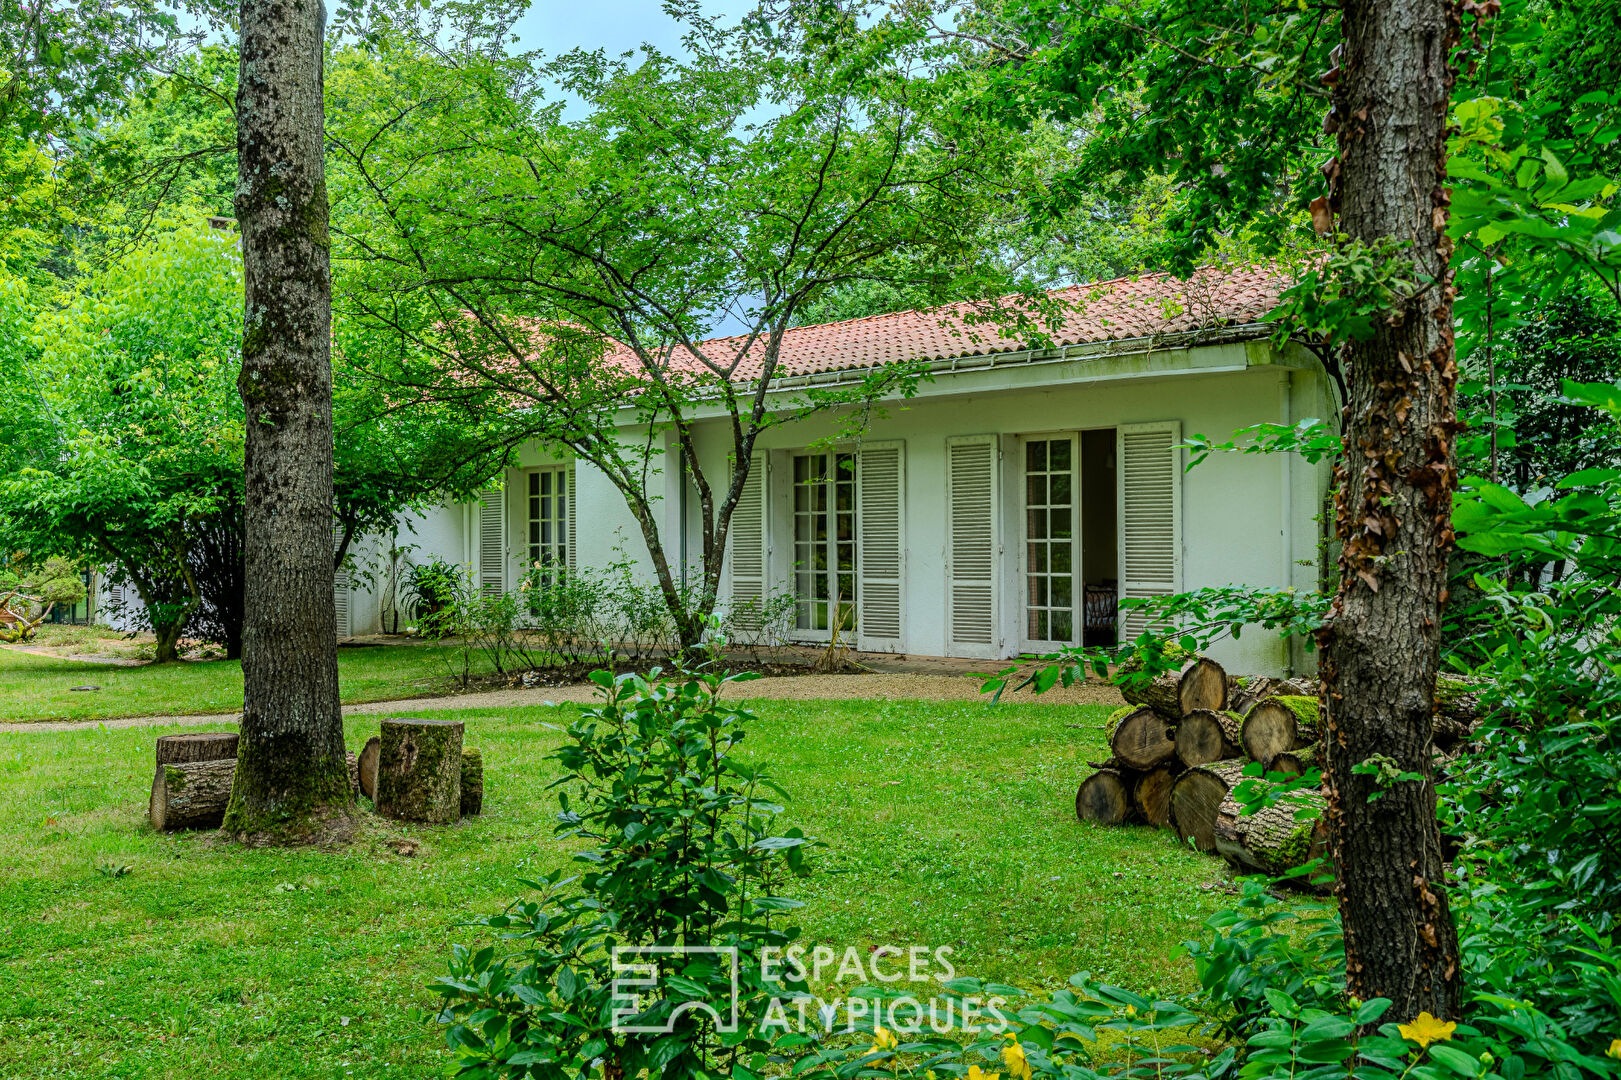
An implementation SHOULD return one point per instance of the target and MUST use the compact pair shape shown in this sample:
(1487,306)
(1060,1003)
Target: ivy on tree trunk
(291,770)
(1395,483)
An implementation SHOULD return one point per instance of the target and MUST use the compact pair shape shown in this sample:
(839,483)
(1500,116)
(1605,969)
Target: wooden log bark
(472,782)
(1152,794)
(1160,694)
(368,768)
(190,794)
(419,770)
(1203,684)
(1294,762)
(1143,739)
(354,773)
(1104,798)
(1279,724)
(1196,799)
(196,746)
(1458,710)
(1205,735)
(1272,840)
(1250,692)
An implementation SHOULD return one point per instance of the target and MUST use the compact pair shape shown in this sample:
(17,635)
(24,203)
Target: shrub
(682,852)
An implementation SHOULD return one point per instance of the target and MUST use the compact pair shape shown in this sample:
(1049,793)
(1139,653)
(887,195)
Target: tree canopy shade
(560,277)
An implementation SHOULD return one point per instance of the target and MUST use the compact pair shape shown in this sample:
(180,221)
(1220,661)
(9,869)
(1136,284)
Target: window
(548,517)
(1049,539)
(825,542)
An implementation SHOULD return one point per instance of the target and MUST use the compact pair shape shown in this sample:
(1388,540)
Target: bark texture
(419,771)
(190,794)
(196,746)
(1395,482)
(1272,840)
(291,769)
(472,782)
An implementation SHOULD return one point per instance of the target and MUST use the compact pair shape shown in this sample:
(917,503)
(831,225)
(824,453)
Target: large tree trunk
(291,771)
(1393,509)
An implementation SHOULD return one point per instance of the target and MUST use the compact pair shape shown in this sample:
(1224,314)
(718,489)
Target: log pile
(431,777)
(1179,749)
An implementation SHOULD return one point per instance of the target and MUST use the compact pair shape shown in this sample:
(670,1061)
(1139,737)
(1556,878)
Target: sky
(613,25)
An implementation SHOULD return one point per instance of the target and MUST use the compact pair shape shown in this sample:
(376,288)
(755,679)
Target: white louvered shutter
(340,587)
(492,542)
(880,544)
(570,496)
(748,536)
(1150,514)
(971,545)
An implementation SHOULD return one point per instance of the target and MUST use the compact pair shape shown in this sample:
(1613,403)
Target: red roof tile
(1124,309)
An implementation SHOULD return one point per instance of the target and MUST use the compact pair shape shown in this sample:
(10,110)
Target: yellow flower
(1013,1056)
(1427,1029)
(882,1039)
(976,1073)
(1615,1049)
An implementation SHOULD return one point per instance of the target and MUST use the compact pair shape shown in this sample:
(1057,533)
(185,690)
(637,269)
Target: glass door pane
(548,518)
(1049,539)
(824,493)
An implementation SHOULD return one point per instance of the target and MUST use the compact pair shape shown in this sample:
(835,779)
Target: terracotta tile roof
(1124,309)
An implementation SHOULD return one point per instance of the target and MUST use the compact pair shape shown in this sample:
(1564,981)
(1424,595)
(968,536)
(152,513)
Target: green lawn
(38,687)
(949,824)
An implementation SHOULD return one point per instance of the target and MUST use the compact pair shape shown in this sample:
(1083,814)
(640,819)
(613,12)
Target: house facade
(1004,509)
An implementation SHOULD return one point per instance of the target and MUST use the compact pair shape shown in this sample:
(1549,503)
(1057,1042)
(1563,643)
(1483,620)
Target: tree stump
(1294,762)
(196,746)
(419,770)
(191,794)
(472,782)
(368,767)
(354,774)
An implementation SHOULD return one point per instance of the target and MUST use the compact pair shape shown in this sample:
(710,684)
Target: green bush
(682,852)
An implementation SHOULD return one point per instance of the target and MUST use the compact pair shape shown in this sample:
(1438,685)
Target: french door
(824,490)
(548,515)
(1051,552)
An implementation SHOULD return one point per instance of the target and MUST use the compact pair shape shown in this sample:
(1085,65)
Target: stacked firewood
(1180,748)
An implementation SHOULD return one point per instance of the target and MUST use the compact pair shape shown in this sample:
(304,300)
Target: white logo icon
(636,972)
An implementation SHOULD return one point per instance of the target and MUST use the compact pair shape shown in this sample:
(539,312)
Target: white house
(1001,510)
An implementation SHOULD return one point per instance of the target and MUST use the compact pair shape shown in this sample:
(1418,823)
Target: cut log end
(1277,725)
(368,768)
(1105,798)
(1206,735)
(1202,684)
(1143,739)
(1196,800)
(1152,795)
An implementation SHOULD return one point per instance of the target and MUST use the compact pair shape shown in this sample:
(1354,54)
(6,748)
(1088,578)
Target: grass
(36,687)
(949,824)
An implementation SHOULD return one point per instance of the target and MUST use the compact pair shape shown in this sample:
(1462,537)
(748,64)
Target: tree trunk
(472,782)
(167,635)
(196,746)
(1142,739)
(419,771)
(1196,799)
(190,794)
(291,771)
(1393,512)
(1205,735)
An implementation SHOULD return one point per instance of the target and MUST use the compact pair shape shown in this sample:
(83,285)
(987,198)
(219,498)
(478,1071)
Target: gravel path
(888,686)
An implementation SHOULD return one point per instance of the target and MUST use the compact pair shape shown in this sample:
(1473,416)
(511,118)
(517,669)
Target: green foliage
(1342,297)
(1311,438)
(684,853)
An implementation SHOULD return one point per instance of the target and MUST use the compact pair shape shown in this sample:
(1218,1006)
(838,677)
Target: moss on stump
(472,782)
(419,770)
